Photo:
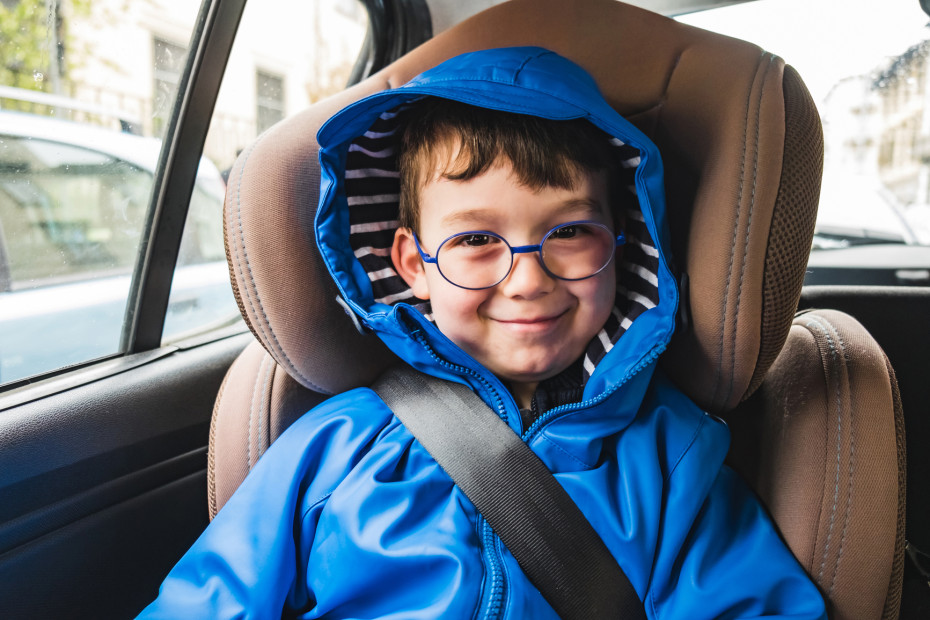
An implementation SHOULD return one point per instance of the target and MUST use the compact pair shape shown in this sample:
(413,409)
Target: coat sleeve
(727,560)
(244,565)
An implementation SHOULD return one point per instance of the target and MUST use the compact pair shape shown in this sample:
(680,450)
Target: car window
(87,89)
(80,103)
(866,67)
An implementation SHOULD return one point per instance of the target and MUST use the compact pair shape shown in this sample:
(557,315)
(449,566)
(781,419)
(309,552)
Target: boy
(528,265)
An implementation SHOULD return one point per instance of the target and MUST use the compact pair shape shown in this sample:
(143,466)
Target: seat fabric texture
(742,147)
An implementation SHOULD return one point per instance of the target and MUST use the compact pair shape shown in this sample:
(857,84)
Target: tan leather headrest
(742,147)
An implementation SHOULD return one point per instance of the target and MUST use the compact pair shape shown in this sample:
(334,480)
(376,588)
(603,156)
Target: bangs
(447,139)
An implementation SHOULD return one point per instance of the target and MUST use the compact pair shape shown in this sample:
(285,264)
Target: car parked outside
(73,200)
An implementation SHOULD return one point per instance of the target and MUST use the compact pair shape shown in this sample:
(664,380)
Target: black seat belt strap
(554,543)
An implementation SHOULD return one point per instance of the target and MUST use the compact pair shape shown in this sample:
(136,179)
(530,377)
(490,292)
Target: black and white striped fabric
(372,187)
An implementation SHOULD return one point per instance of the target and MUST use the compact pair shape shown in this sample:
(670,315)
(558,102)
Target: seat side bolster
(896,580)
(256,403)
(229,450)
(829,469)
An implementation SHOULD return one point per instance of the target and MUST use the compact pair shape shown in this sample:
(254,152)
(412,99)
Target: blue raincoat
(347,516)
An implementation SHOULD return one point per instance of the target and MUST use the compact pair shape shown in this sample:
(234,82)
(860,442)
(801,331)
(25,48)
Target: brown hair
(463,141)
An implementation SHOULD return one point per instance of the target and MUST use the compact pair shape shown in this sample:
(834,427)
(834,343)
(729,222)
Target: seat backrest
(742,147)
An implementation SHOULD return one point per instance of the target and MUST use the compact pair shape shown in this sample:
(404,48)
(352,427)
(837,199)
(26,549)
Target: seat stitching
(752,205)
(248,442)
(812,322)
(211,450)
(726,289)
(245,256)
(260,448)
(241,237)
(852,464)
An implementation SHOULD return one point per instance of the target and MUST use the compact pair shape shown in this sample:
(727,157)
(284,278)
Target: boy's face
(530,326)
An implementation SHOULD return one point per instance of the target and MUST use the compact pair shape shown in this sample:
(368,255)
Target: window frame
(211,43)
(404,25)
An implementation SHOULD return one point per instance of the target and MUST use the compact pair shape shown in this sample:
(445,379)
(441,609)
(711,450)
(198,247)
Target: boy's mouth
(532,324)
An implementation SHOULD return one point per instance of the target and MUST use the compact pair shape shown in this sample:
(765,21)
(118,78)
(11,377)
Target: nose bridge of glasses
(526,249)
(537,264)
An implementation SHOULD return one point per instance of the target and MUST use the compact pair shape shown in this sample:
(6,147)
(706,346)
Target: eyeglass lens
(571,252)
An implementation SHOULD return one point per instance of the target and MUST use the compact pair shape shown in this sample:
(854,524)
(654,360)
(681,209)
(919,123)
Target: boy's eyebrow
(591,206)
(468,216)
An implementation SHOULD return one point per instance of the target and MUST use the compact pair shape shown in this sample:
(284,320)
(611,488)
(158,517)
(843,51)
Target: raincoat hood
(358,214)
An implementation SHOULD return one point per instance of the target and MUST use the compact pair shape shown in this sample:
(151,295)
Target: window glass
(169,62)
(866,67)
(276,68)
(85,88)
(201,298)
(269,94)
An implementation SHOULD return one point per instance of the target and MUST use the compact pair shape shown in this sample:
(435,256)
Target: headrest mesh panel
(792,223)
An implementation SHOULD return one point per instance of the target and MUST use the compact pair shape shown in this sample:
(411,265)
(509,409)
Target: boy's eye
(567,232)
(475,240)
(574,231)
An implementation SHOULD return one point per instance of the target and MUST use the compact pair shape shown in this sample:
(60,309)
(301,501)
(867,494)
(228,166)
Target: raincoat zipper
(556,412)
(488,538)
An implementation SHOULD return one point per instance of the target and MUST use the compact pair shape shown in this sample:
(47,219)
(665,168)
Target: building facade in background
(124,59)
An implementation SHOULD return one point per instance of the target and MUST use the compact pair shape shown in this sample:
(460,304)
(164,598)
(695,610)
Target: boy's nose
(527,278)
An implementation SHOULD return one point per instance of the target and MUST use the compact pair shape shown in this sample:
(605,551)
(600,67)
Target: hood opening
(372,186)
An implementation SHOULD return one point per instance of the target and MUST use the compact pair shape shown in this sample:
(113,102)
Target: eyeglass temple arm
(426,257)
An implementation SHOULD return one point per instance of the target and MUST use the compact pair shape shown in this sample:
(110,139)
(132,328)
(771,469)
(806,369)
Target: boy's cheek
(453,303)
(603,286)
(456,312)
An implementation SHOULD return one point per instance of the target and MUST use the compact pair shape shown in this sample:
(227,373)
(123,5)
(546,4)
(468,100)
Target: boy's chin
(533,367)
(526,375)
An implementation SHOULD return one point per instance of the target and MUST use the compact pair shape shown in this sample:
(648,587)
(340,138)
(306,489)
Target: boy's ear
(408,263)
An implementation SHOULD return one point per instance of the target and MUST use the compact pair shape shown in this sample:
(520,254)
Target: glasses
(479,259)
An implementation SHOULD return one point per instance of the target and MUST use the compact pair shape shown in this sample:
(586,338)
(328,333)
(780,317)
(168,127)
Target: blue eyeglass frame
(520,249)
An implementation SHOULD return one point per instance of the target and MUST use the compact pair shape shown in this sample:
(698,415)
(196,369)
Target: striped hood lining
(372,188)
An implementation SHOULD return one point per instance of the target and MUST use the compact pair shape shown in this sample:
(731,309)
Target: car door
(103,424)
(117,321)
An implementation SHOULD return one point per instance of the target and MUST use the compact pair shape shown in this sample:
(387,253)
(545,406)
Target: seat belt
(551,539)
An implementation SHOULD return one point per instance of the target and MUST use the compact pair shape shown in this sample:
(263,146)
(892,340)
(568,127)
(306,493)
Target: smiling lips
(531,325)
